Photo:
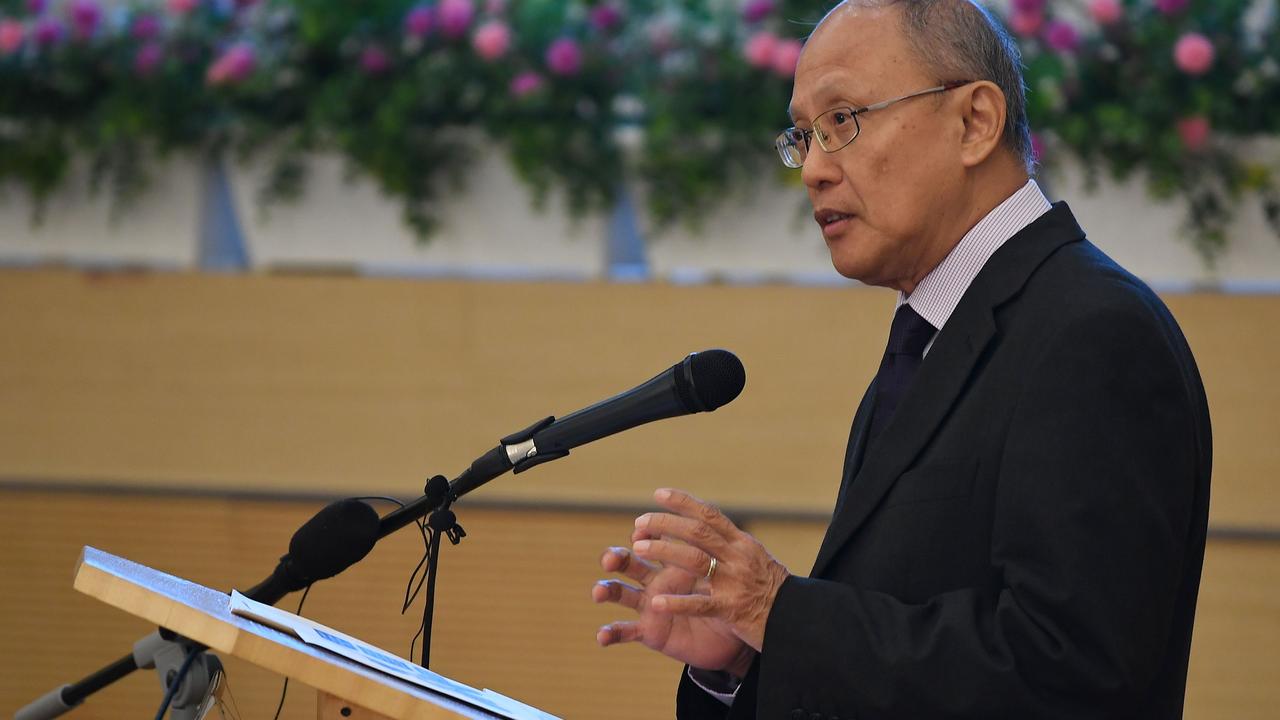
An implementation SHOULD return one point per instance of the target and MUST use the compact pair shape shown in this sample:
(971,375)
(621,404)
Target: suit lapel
(857,447)
(941,379)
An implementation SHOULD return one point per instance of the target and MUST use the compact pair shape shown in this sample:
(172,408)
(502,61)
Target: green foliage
(1122,104)
(683,96)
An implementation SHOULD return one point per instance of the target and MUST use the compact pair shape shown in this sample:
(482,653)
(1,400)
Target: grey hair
(960,40)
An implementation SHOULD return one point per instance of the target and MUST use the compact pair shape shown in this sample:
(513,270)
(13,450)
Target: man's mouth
(831,217)
(832,222)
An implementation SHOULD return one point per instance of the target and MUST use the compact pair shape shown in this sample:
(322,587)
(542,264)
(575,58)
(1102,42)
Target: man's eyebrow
(828,94)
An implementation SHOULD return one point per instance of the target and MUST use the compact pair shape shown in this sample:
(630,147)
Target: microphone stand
(441,522)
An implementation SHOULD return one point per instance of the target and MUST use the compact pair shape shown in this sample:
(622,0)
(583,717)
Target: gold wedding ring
(711,570)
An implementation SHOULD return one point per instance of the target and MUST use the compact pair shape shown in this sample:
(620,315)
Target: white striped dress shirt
(938,294)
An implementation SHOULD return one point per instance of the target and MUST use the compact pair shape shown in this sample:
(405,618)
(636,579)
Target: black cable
(285,690)
(427,534)
(177,681)
(411,591)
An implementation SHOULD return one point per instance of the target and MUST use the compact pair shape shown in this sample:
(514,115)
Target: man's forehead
(847,55)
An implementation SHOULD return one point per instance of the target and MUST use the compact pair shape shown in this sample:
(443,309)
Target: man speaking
(1021,523)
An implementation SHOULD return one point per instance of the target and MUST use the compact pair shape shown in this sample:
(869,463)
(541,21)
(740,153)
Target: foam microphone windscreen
(337,537)
(718,377)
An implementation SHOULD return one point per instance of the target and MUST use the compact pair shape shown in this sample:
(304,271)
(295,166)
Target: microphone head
(716,377)
(337,537)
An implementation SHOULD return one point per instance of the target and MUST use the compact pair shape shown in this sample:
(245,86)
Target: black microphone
(337,537)
(701,382)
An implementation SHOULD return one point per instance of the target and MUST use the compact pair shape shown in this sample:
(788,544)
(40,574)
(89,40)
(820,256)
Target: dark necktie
(908,337)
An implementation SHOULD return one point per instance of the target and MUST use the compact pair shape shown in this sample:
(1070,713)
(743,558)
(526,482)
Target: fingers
(620,560)
(619,632)
(616,591)
(684,504)
(657,525)
(686,557)
(700,605)
(695,522)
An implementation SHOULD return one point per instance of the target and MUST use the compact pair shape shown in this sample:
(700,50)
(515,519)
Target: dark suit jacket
(1024,539)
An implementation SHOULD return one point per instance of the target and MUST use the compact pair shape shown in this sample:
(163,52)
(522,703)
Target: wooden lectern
(347,690)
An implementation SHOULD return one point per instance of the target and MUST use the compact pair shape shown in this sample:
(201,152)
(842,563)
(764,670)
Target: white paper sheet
(357,650)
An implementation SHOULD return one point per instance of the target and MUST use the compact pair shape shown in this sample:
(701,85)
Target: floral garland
(683,96)
(1173,90)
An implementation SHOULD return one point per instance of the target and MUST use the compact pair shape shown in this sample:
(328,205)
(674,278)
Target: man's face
(895,188)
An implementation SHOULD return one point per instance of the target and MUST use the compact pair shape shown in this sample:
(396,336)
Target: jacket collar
(941,377)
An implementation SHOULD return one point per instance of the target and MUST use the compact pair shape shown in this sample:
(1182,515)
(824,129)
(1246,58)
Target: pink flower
(756,10)
(1106,12)
(35,7)
(374,60)
(564,57)
(785,56)
(1172,7)
(86,15)
(48,32)
(526,83)
(235,64)
(605,17)
(759,49)
(1026,24)
(419,21)
(1037,147)
(1193,54)
(1062,36)
(145,27)
(455,17)
(1194,132)
(12,34)
(1029,6)
(492,40)
(181,7)
(147,59)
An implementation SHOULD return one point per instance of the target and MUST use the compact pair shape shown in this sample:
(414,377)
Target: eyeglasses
(837,127)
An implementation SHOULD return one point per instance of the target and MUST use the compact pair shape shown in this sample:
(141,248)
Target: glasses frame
(787,137)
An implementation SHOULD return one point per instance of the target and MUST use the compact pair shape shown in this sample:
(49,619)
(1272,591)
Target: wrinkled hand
(715,624)
(700,642)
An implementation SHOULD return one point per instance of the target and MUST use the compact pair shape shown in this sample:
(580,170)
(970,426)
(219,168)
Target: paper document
(357,650)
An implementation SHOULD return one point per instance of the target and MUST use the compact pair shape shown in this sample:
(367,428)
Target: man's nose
(820,168)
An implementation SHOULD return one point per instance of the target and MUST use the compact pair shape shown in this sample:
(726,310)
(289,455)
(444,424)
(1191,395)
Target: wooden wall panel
(339,384)
(1235,649)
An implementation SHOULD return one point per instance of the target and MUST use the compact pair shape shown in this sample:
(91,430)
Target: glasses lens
(791,146)
(836,128)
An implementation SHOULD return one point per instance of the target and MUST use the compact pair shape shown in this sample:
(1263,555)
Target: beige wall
(335,385)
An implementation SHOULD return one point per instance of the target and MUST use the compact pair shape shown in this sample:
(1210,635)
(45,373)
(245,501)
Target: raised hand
(704,600)
(738,578)
(701,642)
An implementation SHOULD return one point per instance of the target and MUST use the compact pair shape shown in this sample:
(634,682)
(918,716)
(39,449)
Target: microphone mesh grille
(718,377)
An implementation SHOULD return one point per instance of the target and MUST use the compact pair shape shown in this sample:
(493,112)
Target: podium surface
(203,615)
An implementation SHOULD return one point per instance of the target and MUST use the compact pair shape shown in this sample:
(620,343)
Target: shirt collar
(938,294)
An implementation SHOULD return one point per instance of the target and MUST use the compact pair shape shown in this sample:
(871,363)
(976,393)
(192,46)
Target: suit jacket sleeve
(1093,510)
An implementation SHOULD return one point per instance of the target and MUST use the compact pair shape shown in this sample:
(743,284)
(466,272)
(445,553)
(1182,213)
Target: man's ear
(983,113)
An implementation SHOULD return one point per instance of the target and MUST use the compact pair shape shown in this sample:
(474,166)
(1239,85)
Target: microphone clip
(526,451)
